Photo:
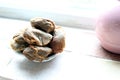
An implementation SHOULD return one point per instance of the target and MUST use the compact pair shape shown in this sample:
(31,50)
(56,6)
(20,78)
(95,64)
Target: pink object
(108,30)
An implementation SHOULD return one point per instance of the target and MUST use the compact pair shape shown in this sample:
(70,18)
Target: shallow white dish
(48,59)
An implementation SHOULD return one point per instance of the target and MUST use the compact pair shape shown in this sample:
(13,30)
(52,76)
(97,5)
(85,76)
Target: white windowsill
(75,63)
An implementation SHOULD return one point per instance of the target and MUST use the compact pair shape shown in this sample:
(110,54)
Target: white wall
(72,13)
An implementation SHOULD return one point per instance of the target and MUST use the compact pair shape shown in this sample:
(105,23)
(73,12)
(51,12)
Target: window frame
(83,17)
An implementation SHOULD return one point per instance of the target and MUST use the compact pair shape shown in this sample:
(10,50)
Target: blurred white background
(77,13)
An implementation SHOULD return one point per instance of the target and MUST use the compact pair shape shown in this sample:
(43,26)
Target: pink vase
(108,30)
